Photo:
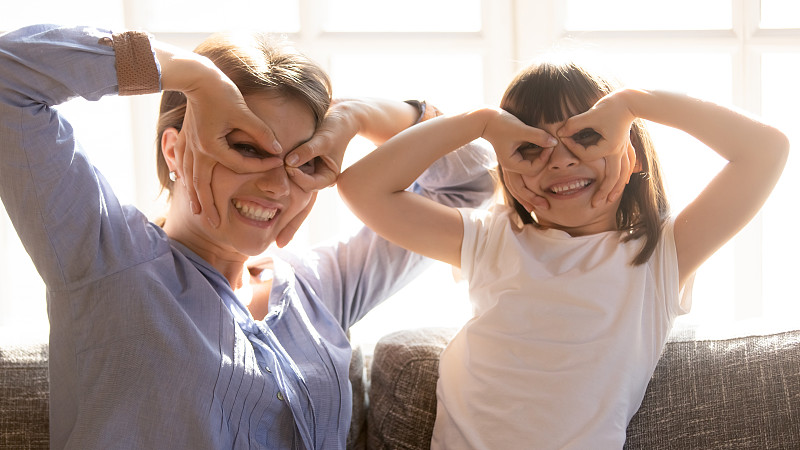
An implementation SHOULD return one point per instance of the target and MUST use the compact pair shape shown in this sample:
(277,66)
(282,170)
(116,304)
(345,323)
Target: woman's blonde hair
(256,63)
(550,93)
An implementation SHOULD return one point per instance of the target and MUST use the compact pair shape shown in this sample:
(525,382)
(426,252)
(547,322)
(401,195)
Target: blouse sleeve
(64,211)
(353,277)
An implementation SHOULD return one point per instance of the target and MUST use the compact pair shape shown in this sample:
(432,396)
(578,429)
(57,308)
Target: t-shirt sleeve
(477,224)
(665,262)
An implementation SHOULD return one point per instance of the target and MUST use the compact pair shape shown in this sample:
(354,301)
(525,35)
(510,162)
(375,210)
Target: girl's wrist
(633,100)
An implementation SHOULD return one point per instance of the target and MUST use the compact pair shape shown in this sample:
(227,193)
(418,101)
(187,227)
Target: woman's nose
(562,157)
(274,182)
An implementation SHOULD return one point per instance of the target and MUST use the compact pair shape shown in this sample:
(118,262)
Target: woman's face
(255,207)
(569,184)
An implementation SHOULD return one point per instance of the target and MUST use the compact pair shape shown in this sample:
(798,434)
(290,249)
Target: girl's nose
(274,182)
(562,158)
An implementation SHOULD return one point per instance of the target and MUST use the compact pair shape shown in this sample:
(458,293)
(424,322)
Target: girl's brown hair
(256,63)
(551,93)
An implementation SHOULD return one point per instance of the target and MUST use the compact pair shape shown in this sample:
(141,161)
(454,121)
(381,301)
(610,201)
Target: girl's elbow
(779,143)
(345,184)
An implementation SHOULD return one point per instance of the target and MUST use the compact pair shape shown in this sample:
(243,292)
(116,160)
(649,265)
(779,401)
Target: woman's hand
(325,150)
(287,233)
(521,151)
(604,132)
(212,113)
(214,108)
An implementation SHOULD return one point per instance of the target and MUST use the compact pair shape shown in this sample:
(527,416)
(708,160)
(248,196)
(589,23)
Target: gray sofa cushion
(402,391)
(24,419)
(723,394)
(24,394)
(728,393)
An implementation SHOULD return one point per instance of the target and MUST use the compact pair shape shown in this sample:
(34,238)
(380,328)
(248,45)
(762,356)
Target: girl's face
(253,207)
(569,184)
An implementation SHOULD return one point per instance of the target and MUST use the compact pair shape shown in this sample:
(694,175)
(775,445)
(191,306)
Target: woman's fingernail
(277,146)
(193,207)
(292,160)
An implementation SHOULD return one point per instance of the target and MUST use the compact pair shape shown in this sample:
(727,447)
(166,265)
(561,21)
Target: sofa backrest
(728,393)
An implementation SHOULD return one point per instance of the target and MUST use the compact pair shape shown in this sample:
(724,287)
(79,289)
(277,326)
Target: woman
(150,346)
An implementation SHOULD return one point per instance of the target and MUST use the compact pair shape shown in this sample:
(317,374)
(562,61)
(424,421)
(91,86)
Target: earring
(173,176)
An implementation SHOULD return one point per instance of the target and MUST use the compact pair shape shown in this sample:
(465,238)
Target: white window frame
(512,32)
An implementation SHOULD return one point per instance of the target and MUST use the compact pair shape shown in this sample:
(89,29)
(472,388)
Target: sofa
(739,392)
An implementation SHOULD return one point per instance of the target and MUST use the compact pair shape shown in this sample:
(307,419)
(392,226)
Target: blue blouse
(149,346)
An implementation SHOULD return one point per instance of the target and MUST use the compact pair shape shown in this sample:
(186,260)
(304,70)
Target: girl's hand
(604,132)
(324,151)
(521,151)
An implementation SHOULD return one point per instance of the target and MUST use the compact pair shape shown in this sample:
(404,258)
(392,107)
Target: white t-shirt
(565,336)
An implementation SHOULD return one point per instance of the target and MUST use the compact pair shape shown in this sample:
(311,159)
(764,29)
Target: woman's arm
(63,211)
(756,154)
(374,187)
(373,118)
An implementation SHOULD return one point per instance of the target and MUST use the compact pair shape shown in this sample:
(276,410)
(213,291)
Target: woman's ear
(169,140)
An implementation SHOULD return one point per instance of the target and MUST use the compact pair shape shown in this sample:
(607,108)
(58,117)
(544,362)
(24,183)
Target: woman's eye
(587,137)
(309,167)
(529,151)
(248,150)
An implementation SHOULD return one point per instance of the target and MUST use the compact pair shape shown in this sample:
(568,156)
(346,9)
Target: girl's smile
(567,189)
(569,184)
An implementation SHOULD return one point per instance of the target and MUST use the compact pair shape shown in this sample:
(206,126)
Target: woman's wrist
(185,71)
(377,119)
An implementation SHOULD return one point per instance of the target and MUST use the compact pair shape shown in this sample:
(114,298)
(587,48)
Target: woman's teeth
(255,212)
(571,186)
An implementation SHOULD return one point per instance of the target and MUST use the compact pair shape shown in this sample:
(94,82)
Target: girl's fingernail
(193,207)
(277,146)
(292,160)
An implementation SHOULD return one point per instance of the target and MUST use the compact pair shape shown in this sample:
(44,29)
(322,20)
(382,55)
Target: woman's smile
(255,213)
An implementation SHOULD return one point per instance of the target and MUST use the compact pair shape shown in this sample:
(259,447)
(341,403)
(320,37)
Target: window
(462,53)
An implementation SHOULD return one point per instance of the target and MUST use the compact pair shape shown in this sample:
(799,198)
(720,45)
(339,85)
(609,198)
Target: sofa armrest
(402,392)
(24,393)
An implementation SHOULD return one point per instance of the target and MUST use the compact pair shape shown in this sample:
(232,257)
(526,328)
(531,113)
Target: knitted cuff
(137,69)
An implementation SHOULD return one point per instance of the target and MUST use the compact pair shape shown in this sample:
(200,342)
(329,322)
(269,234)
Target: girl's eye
(529,151)
(587,137)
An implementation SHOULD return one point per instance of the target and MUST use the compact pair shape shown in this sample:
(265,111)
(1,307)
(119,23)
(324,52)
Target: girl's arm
(756,154)
(374,187)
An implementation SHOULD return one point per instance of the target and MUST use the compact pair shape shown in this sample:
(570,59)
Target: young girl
(576,281)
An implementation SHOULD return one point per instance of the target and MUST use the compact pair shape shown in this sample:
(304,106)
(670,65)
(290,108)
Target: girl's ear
(169,140)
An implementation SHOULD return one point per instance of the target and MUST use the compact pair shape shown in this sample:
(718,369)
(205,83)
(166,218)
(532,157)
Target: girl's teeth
(569,186)
(255,212)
